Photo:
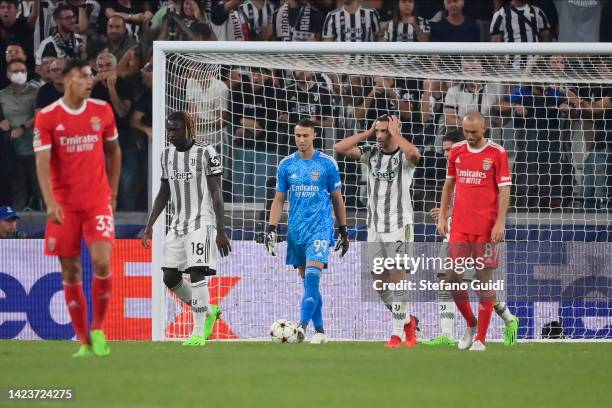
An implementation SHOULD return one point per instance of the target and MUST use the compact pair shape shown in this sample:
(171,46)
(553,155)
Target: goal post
(560,163)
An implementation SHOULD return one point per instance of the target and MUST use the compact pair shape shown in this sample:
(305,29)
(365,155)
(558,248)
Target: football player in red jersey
(479,173)
(71,137)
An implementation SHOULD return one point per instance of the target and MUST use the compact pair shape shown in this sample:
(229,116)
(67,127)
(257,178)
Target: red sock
(100,293)
(485,309)
(77,307)
(462,300)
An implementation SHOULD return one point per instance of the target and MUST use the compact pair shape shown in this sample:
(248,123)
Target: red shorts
(94,225)
(477,247)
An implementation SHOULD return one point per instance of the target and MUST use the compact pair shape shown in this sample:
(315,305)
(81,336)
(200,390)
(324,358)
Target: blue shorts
(301,254)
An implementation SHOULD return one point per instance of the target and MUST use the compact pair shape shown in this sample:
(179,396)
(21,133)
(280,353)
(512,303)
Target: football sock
(183,291)
(101,294)
(400,308)
(462,300)
(503,311)
(311,294)
(77,308)
(446,313)
(317,316)
(199,306)
(387,298)
(485,310)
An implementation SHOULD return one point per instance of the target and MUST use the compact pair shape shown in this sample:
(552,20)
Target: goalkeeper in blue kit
(311,179)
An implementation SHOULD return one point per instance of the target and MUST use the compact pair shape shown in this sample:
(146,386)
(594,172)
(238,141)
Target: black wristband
(271,228)
(343,231)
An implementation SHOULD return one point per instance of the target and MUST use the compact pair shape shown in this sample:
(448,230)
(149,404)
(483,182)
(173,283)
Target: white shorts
(389,244)
(195,249)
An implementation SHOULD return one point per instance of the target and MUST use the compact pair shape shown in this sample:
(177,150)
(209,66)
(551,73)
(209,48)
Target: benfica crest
(96,123)
(486,164)
(314,175)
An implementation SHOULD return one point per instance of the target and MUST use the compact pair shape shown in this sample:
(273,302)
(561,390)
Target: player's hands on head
(343,241)
(270,239)
(223,244)
(55,213)
(442,227)
(394,125)
(146,238)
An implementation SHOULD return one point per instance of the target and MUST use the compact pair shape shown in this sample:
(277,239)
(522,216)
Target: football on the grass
(283,331)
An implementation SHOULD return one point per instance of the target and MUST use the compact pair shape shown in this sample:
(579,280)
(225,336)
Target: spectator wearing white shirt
(207,99)
(351,23)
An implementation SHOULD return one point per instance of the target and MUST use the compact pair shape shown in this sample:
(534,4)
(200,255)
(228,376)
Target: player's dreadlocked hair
(187,119)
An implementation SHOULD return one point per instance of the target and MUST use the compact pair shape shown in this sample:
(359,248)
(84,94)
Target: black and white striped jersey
(362,26)
(187,174)
(404,32)
(258,18)
(521,24)
(388,185)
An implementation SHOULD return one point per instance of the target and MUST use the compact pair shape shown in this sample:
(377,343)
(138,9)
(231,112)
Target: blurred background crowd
(559,136)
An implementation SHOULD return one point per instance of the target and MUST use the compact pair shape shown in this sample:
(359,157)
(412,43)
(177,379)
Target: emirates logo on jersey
(96,123)
(487,164)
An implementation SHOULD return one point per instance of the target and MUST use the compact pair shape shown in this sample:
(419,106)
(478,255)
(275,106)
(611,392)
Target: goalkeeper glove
(270,239)
(343,241)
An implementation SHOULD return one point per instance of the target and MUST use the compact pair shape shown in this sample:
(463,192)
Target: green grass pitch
(353,374)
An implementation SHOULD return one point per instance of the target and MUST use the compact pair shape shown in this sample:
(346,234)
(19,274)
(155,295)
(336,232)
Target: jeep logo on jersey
(486,164)
(181,175)
(96,123)
(386,175)
(314,175)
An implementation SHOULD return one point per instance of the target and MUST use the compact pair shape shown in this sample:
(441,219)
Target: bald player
(478,172)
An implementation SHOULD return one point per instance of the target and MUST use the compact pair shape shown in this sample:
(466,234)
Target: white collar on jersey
(472,150)
(70,110)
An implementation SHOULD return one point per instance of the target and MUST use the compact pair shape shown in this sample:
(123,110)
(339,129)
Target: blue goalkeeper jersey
(308,184)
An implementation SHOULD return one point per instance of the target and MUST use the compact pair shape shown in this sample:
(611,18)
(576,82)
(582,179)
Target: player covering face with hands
(191,179)
(75,140)
(311,180)
(391,163)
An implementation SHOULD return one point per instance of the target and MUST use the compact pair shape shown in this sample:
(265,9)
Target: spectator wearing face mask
(17,118)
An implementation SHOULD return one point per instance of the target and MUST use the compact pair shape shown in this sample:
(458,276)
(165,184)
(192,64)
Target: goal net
(548,105)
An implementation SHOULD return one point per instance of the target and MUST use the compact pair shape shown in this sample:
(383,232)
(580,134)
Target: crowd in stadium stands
(116,36)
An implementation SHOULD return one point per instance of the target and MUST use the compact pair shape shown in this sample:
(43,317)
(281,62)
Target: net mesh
(548,111)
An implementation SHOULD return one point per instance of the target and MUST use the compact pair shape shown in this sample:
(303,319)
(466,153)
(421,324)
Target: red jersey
(75,137)
(478,174)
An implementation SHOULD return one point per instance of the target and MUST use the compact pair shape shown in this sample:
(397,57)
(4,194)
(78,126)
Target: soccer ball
(283,331)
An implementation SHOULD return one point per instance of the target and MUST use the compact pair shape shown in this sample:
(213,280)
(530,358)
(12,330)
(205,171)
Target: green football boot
(195,341)
(84,351)
(440,341)
(209,324)
(98,343)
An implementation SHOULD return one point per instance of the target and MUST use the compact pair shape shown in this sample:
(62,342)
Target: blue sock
(311,295)
(317,316)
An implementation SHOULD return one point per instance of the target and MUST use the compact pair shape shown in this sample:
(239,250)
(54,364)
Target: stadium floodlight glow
(556,169)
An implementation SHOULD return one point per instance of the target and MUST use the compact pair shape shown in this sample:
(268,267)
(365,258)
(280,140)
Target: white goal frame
(162,48)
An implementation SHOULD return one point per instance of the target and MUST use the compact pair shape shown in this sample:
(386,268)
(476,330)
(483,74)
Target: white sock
(502,311)
(399,311)
(183,291)
(446,313)
(199,306)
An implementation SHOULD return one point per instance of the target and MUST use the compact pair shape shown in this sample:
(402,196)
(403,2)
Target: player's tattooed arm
(43,170)
(163,195)
(348,146)
(411,152)
(497,233)
(214,188)
(275,215)
(113,157)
